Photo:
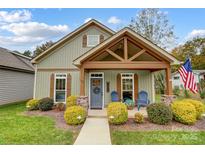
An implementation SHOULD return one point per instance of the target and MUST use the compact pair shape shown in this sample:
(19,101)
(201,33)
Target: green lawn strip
(16,128)
(157,137)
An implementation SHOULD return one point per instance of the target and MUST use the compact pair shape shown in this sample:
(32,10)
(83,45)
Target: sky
(24,29)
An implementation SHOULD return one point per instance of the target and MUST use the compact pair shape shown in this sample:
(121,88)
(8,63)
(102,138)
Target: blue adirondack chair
(115,96)
(142,99)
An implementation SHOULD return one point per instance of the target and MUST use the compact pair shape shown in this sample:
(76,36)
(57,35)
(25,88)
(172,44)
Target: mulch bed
(130,125)
(58,116)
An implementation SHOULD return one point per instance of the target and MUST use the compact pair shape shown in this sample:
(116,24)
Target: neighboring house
(178,83)
(16,77)
(94,60)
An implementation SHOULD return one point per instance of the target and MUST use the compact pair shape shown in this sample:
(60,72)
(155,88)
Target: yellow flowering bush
(139,118)
(199,106)
(75,115)
(117,113)
(184,112)
(71,101)
(32,104)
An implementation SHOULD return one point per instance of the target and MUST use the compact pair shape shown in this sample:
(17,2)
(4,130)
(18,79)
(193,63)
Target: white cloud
(87,19)
(19,40)
(114,20)
(31,32)
(195,33)
(15,16)
(35,29)
(19,32)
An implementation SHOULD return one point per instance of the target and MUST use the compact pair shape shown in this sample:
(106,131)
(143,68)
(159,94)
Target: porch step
(97,113)
(97,116)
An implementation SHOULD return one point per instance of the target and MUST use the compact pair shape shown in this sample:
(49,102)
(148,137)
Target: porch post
(168,81)
(82,81)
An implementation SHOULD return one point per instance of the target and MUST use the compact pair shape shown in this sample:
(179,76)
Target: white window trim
(92,45)
(128,77)
(55,85)
(102,77)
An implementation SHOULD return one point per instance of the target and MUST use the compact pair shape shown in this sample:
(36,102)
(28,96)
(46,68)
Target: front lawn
(157,137)
(18,128)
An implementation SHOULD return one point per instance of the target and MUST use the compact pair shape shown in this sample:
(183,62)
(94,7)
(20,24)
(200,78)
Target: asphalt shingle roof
(12,60)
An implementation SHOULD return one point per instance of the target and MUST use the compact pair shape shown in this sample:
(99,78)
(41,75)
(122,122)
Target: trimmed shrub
(159,113)
(32,104)
(117,113)
(139,118)
(71,101)
(199,106)
(60,106)
(45,104)
(184,112)
(75,115)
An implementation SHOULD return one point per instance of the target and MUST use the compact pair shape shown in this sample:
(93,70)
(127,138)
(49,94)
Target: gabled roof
(14,61)
(132,33)
(73,34)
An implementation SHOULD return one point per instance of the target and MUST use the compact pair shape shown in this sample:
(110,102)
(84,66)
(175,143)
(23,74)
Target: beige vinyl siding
(43,83)
(144,81)
(64,56)
(15,86)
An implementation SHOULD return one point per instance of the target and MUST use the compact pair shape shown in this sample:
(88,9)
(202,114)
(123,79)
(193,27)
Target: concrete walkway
(95,131)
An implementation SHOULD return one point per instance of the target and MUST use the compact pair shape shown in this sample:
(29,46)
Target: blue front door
(96,93)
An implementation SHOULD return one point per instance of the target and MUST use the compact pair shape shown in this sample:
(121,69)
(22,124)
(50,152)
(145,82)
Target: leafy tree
(27,53)
(195,49)
(42,48)
(154,25)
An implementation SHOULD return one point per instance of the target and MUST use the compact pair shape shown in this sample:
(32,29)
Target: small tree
(159,82)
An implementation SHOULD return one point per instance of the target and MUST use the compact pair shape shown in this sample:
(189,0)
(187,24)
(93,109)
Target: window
(93,40)
(127,82)
(60,87)
(176,78)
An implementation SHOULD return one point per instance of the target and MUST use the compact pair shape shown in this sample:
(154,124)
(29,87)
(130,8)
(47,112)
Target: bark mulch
(58,116)
(130,125)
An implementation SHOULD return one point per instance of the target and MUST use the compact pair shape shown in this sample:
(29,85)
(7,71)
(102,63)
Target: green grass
(157,137)
(16,128)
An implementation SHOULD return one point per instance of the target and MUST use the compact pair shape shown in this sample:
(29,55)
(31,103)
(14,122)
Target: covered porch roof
(143,46)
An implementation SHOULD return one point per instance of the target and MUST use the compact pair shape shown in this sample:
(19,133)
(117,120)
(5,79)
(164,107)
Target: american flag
(188,76)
